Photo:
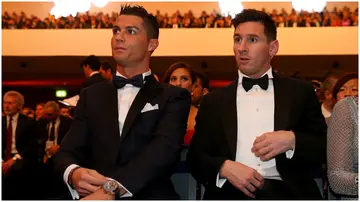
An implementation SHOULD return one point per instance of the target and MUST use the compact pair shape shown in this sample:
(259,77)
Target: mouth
(244,59)
(119,48)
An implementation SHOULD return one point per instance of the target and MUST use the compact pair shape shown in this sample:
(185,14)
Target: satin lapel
(229,116)
(282,96)
(111,114)
(145,95)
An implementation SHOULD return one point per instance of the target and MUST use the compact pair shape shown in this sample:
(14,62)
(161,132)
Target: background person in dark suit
(53,129)
(91,66)
(260,136)
(18,149)
(127,133)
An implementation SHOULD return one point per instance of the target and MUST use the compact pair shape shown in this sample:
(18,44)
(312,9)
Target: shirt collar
(94,72)
(15,117)
(145,74)
(268,72)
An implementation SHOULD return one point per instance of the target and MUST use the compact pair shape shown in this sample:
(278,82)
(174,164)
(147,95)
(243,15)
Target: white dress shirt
(255,116)
(94,72)
(126,96)
(14,123)
(325,112)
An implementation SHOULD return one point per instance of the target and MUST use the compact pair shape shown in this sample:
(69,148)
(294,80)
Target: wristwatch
(111,187)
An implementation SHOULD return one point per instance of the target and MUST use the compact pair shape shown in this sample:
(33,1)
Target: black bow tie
(248,83)
(137,81)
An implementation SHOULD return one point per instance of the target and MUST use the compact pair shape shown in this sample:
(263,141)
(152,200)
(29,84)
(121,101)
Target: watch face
(111,185)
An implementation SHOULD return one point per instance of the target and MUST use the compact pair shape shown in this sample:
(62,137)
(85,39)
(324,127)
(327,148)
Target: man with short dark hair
(260,136)
(328,101)
(91,66)
(200,89)
(107,71)
(127,134)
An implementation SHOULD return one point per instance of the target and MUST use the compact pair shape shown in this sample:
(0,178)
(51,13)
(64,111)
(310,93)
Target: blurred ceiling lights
(230,7)
(309,5)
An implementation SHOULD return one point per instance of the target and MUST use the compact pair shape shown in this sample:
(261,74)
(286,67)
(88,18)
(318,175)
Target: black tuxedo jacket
(25,140)
(96,78)
(215,138)
(143,157)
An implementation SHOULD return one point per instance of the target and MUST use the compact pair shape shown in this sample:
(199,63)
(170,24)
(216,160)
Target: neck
(327,105)
(133,70)
(257,75)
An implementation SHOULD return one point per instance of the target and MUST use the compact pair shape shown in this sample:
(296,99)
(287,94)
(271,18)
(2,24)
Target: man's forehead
(129,20)
(248,28)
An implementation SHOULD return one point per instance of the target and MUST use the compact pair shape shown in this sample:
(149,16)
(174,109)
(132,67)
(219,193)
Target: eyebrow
(127,27)
(251,35)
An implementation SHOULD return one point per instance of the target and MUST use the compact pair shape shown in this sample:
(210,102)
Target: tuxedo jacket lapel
(282,96)
(111,111)
(229,117)
(145,95)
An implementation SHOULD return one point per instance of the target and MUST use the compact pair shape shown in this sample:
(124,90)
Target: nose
(120,36)
(178,83)
(243,49)
(348,92)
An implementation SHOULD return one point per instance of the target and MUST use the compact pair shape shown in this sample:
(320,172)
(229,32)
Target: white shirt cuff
(73,192)
(289,154)
(127,194)
(220,182)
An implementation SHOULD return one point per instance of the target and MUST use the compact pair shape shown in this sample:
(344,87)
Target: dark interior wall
(19,69)
(217,68)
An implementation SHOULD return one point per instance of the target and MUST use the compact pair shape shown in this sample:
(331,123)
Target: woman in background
(345,86)
(342,148)
(182,75)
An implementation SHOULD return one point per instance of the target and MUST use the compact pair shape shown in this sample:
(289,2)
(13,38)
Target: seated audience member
(65,111)
(91,66)
(200,89)
(346,86)
(182,75)
(342,149)
(107,71)
(54,127)
(328,100)
(18,149)
(39,111)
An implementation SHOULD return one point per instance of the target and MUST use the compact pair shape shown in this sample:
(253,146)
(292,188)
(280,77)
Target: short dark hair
(105,66)
(205,83)
(176,66)
(150,22)
(342,80)
(252,15)
(92,61)
(328,84)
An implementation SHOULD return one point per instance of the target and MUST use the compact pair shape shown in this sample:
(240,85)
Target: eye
(252,40)
(173,79)
(184,79)
(341,89)
(115,31)
(131,31)
(237,40)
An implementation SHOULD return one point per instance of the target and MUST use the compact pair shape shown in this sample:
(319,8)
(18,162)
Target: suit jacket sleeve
(310,135)
(27,143)
(203,162)
(73,145)
(160,154)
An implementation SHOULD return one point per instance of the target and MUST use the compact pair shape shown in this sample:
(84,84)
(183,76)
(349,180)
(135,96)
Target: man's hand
(99,195)
(244,178)
(269,145)
(87,181)
(6,166)
(53,149)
